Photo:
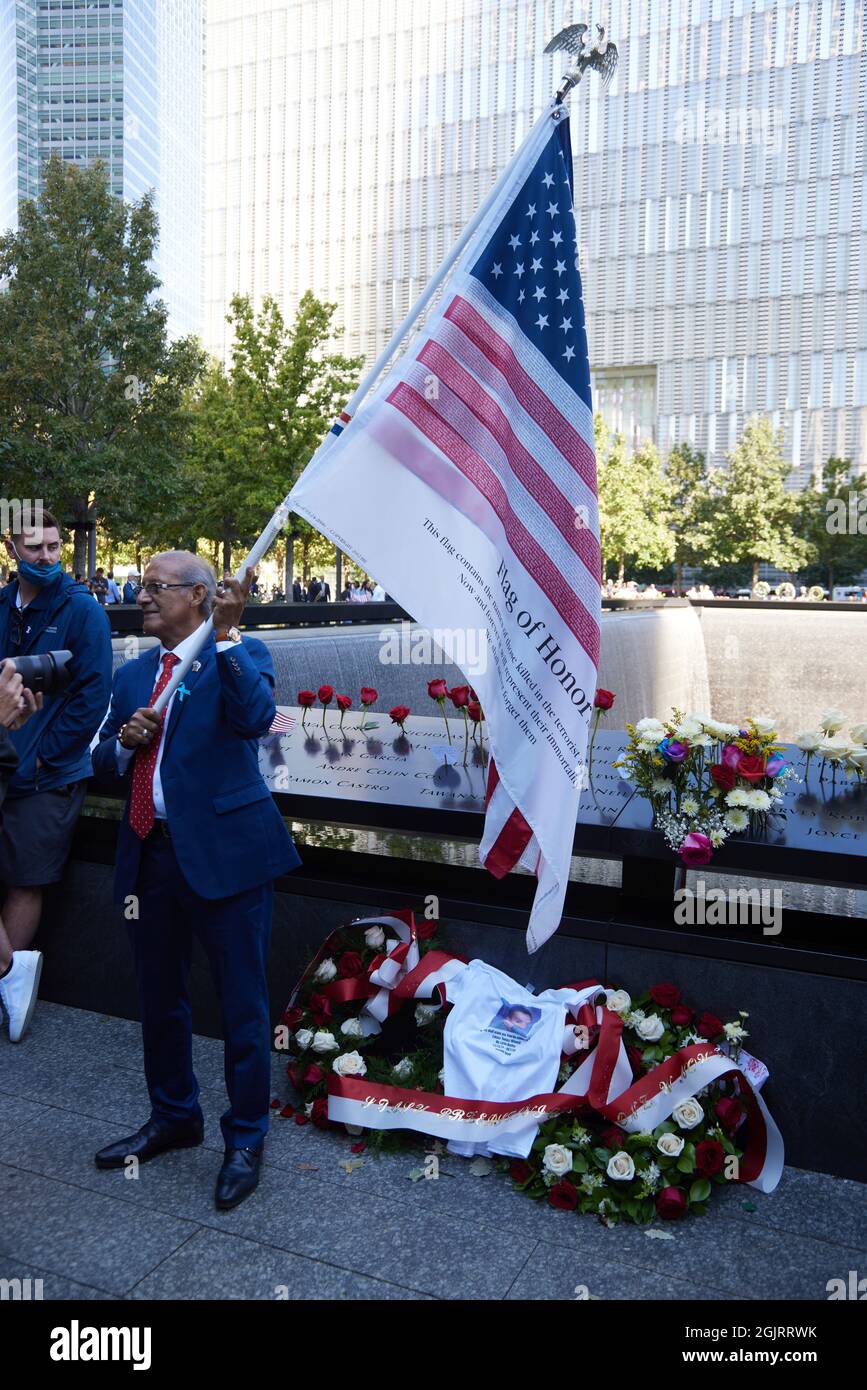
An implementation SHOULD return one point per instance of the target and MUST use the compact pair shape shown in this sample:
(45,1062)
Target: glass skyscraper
(721,182)
(121,81)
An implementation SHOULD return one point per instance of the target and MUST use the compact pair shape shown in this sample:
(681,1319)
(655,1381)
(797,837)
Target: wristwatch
(227,634)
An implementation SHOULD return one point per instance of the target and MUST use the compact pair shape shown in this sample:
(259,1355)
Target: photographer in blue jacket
(44,610)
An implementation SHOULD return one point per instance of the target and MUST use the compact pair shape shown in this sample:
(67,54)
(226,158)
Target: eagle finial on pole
(599,54)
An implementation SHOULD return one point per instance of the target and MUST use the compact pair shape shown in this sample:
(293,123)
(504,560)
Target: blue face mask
(40,575)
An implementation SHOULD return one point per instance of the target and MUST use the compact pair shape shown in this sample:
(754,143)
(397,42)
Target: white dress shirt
(124,755)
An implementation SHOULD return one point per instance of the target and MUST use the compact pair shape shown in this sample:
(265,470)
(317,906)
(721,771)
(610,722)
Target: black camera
(48,672)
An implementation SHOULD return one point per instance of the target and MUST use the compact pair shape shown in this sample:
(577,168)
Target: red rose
(306,699)
(326,694)
(681,1017)
(753,769)
(723,776)
(520,1171)
(437,689)
(474,710)
(399,714)
(349,964)
(275,1105)
(671,1204)
(730,1113)
(313,1075)
(319,1113)
(709,1026)
(636,1059)
(612,1137)
(292,1017)
(320,1008)
(709,1157)
(604,699)
(666,996)
(344,702)
(460,696)
(300,1117)
(425,930)
(368,695)
(287,1112)
(358,1148)
(563,1196)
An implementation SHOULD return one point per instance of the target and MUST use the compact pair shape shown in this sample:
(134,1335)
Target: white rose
(617,1000)
(327,970)
(557,1160)
(835,749)
(402,1069)
(352,1028)
(832,720)
(620,1167)
(764,725)
(671,1145)
(323,1041)
(425,1012)
(375,937)
(651,1028)
(688,1114)
(859,733)
(303,1038)
(349,1064)
(858,756)
(808,742)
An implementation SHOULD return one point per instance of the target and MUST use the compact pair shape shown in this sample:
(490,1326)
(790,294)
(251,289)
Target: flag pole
(281,514)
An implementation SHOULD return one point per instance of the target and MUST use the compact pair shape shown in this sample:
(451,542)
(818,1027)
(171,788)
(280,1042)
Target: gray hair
(192,569)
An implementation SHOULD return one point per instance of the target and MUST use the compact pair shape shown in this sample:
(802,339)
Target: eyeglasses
(153,588)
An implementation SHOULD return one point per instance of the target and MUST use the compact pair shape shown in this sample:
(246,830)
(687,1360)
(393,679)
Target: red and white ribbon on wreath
(603,1081)
(404,973)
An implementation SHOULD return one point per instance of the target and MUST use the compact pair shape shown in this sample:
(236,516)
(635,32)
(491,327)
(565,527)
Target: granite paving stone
(213,1265)
(88,1238)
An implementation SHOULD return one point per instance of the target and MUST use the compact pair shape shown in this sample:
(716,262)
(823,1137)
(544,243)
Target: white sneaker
(18,991)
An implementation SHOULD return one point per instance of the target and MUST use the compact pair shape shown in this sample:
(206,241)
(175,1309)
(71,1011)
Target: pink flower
(731,756)
(696,849)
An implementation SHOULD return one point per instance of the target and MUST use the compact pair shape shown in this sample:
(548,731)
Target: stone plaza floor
(314,1230)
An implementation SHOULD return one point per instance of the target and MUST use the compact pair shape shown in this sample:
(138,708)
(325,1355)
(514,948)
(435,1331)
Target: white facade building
(721,182)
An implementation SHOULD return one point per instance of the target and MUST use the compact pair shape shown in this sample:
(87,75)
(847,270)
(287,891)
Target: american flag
(490,409)
(282,723)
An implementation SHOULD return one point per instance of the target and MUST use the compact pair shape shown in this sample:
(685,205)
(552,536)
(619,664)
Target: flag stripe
(509,845)
(537,404)
(525,546)
(525,468)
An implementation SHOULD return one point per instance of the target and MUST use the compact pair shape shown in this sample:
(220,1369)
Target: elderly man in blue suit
(199,847)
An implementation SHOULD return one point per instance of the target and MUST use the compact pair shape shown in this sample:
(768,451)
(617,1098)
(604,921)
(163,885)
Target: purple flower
(673,750)
(775,765)
(731,756)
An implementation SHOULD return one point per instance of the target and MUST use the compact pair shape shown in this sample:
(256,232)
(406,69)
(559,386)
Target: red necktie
(141,806)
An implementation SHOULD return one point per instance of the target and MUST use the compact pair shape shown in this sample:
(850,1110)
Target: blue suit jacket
(227,833)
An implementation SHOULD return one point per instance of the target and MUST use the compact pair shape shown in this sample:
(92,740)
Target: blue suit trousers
(235,934)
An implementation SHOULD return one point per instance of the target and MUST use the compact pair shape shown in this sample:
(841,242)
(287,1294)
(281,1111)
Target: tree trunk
(621,573)
(755,573)
(830,581)
(79,535)
(91,549)
(678,582)
(305,560)
(138,568)
(338,572)
(290,565)
(227,550)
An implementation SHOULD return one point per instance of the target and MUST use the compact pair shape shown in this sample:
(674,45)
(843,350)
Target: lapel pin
(183,692)
(197,666)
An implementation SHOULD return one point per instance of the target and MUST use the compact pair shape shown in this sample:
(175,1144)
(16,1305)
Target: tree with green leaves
(834,523)
(754,517)
(92,394)
(258,421)
(633,503)
(689,512)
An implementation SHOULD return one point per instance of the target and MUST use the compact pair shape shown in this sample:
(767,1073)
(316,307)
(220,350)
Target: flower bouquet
(705,780)
(579,1163)
(847,755)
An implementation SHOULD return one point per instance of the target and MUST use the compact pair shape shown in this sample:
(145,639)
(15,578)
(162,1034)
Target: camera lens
(49,672)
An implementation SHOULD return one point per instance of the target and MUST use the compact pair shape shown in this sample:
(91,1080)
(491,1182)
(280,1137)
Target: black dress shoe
(153,1138)
(238,1177)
